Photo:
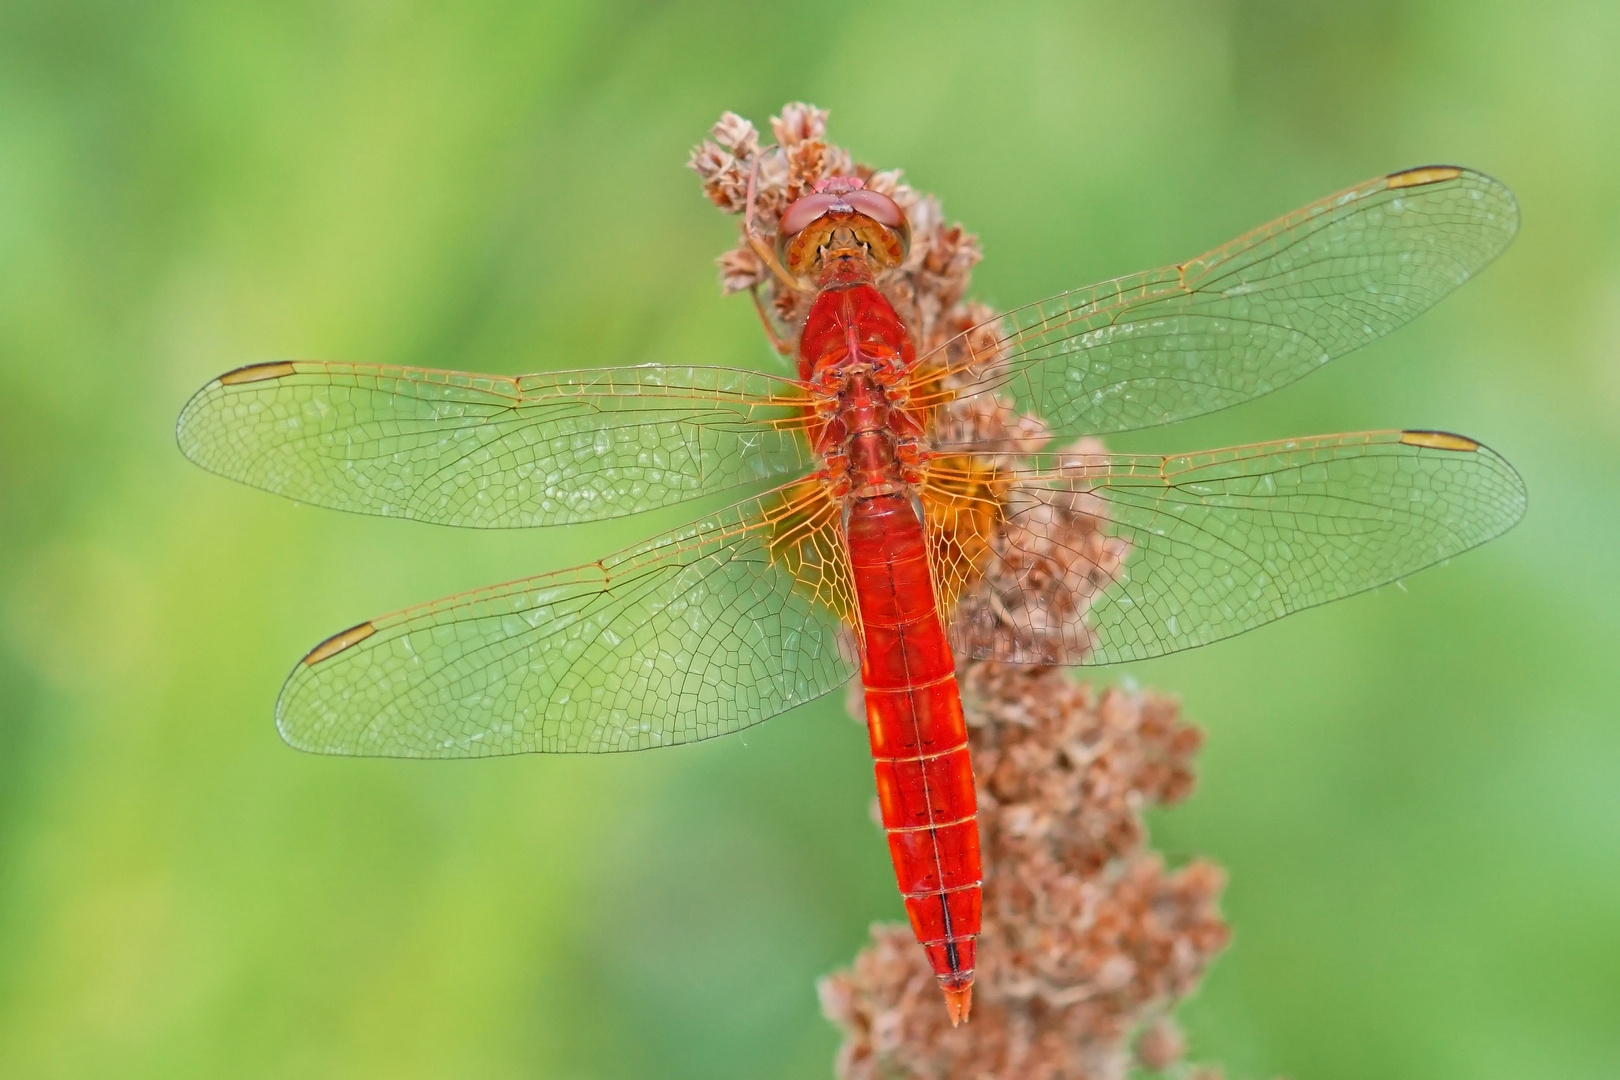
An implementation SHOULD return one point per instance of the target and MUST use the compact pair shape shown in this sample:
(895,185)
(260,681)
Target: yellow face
(842,235)
(842,221)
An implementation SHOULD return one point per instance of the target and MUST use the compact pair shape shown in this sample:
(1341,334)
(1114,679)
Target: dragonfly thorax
(869,443)
(857,354)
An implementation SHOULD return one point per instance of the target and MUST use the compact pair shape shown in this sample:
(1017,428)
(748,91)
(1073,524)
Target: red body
(854,350)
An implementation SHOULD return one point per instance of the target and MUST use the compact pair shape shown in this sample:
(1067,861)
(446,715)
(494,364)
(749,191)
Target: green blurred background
(1417,792)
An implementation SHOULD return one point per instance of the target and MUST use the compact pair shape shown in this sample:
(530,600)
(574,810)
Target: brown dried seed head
(736,135)
(708,160)
(799,123)
(1160,1045)
(740,270)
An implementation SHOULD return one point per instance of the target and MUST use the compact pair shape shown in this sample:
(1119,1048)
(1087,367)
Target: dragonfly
(870,538)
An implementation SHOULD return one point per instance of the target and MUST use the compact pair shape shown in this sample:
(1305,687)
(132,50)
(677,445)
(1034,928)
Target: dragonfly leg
(780,344)
(909,453)
(835,476)
(761,246)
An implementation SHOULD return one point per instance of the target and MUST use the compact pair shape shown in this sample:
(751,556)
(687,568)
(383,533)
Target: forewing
(490,451)
(1105,558)
(1248,317)
(698,633)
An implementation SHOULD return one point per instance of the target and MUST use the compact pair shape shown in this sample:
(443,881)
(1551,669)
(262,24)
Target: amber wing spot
(1428,174)
(1439,440)
(962,500)
(256,373)
(338,642)
(804,540)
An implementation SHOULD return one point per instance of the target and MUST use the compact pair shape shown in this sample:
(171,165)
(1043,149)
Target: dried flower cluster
(1088,939)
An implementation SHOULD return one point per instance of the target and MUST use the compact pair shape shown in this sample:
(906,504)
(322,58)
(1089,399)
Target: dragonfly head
(842,231)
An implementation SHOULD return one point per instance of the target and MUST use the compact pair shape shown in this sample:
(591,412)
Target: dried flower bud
(799,123)
(1160,1045)
(740,270)
(725,180)
(736,135)
(887,182)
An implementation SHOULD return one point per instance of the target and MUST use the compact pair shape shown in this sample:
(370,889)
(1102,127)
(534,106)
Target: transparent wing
(1248,317)
(1104,558)
(490,451)
(698,633)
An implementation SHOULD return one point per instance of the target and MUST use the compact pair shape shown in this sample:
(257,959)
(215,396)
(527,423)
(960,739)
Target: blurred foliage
(1415,792)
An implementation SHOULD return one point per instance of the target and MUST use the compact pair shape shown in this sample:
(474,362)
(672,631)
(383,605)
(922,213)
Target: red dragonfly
(893,543)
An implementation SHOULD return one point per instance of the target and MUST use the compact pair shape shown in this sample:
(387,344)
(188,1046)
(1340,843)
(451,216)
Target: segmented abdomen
(919,738)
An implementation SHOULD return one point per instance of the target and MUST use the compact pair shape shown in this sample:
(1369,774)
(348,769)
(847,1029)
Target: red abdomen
(919,738)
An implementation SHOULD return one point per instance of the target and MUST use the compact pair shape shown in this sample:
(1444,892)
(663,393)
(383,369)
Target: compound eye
(806,210)
(877,206)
